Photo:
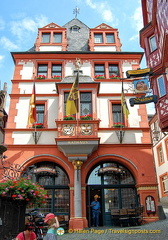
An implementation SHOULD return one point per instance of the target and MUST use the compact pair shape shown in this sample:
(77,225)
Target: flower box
(99,77)
(118,125)
(41,77)
(69,118)
(86,117)
(56,77)
(114,77)
(37,125)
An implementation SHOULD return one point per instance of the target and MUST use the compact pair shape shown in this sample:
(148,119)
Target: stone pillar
(77,222)
(77,189)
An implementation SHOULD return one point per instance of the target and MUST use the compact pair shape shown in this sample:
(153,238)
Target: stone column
(77,189)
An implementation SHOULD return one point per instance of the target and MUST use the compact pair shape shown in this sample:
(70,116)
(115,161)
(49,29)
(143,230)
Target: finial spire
(76,11)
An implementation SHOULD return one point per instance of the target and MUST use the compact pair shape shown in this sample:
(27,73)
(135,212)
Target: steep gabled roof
(105,26)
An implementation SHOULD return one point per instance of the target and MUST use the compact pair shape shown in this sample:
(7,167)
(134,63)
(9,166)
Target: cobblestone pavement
(150,231)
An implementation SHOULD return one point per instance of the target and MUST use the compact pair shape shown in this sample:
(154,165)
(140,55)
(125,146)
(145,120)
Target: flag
(32,107)
(124,103)
(73,97)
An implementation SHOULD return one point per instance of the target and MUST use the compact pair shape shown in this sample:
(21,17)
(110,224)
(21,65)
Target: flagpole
(78,108)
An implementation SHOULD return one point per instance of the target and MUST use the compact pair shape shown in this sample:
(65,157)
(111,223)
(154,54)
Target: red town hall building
(90,154)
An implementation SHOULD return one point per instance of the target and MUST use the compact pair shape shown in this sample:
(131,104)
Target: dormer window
(45,37)
(75,28)
(110,38)
(57,37)
(98,38)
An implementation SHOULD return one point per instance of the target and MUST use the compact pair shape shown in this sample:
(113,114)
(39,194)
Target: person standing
(28,233)
(95,205)
(53,224)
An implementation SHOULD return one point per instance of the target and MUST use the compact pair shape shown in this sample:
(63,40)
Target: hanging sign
(45,169)
(139,72)
(141,85)
(109,169)
(143,100)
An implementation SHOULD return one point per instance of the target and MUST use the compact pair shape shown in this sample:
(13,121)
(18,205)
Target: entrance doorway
(115,187)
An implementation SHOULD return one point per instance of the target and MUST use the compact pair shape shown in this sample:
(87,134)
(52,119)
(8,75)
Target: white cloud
(137,18)
(103,9)
(6,43)
(137,23)
(22,27)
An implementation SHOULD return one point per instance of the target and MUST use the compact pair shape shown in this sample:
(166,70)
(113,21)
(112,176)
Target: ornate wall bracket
(36,136)
(120,135)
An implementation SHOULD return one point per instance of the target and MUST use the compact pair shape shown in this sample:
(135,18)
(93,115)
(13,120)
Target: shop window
(117,115)
(110,38)
(99,69)
(113,70)
(57,37)
(160,155)
(161,86)
(56,70)
(42,69)
(45,37)
(98,38)
(152,43)
(40,109)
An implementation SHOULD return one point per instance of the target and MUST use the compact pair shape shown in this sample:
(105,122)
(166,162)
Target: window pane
(113,70)
(85,103)
(117,114)
(40,113)
(161,86)
(61,201)
(45,37)
(99,69)
(57,37)
(111,199)
(98,38)
(42,69)
(128,197)
(153,45)
(56,70)
(110,38)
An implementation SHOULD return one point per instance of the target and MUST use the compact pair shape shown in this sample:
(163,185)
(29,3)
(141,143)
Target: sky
(20,20)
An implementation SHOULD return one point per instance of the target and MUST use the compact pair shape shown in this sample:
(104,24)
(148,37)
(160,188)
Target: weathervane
(76,11)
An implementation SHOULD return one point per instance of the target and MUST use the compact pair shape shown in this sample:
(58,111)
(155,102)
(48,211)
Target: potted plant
(37,125)
(23,189)
(114,77)
(118,124)
(56,77)
(99,77)
(41,77)
(86,117)
(69,118)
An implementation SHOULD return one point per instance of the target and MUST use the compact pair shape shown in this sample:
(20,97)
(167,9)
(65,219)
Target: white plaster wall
(27,71)
(27,137)
(102,106)
(69,67)
(22,107)
(127,66)
(110,137)
(50,48)
(86,68)
(27,88)
(105,48)
(112,87)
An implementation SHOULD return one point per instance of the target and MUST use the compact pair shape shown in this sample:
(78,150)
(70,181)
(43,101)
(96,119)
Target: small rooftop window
(75,29)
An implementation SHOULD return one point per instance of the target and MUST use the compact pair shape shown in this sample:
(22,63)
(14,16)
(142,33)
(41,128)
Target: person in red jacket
(28,233)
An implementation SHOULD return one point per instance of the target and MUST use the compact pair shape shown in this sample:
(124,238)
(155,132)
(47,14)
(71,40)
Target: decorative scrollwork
(86,129)
(68,129)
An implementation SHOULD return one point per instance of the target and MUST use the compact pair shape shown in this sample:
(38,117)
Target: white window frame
(161,93)
(152,43)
